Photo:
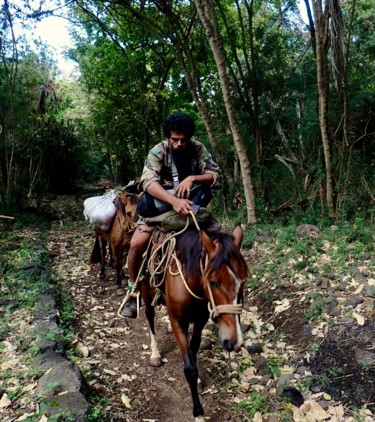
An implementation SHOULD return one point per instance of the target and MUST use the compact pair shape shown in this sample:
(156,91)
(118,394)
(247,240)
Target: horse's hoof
(199,419)
(155,361)
(120,291)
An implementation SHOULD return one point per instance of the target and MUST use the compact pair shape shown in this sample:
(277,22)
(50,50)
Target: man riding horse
(177,175)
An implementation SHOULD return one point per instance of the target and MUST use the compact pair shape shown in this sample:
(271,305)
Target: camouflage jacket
(158,165)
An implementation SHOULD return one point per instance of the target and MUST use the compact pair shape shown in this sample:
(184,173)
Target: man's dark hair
(179,122)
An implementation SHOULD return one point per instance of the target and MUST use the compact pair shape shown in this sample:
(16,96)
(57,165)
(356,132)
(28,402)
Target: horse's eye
(213,284)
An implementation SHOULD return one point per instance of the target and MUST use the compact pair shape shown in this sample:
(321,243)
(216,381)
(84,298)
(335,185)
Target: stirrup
(130,294)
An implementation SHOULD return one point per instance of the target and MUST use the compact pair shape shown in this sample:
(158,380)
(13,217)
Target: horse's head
(224,276)
(127,205)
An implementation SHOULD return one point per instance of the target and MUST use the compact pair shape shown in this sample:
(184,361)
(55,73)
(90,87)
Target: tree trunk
(207,15)
(12,75)
(322,43)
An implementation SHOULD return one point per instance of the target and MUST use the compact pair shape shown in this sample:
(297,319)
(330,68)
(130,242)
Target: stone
(45,345)
(325,283)
(47,329)
(284,380)
(364,357)
(261,362)
(360,277)
(46,302)
(365,256)
(255,348)
(50,315)
(64,376)
(355,300)
(294,395)
(308,230)
(342,286)
(47,360)
(330,303)
(263,236)
(301,370)
(370,291)
(335,311)
(71,404)
(34,268)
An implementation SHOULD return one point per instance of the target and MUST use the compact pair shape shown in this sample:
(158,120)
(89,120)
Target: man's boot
(130,308)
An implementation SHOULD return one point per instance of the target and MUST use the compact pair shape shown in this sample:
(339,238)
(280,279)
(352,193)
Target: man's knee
(139,240)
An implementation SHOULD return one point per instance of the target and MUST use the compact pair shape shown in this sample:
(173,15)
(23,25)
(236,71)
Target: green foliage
(252,404)
(139,62)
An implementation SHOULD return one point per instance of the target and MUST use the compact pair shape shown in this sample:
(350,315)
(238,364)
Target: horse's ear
(238,235)
(206,240)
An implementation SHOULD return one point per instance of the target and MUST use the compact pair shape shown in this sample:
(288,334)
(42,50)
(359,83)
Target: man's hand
(182,206)
(184,188)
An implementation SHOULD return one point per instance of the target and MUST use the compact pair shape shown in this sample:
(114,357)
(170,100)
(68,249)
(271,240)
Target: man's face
(178,141)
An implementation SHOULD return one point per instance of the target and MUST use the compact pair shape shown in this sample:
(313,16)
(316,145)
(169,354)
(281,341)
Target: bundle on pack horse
(204,278)
(118,235)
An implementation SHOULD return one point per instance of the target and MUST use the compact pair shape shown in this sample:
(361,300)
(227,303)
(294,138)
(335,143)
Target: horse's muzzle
(231,346)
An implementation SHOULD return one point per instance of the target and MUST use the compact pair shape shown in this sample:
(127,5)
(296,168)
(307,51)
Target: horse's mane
(190,251)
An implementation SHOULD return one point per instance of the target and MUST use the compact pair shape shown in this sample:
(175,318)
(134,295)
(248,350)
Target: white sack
(100,210)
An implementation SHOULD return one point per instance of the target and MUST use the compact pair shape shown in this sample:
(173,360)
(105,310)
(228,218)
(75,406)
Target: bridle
(214,310)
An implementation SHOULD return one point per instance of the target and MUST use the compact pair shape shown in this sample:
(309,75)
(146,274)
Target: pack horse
(118,235)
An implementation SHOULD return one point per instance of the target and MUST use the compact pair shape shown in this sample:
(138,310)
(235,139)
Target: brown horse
(204,278)
(118,235)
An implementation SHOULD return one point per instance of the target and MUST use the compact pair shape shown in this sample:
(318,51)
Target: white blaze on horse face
(224,332)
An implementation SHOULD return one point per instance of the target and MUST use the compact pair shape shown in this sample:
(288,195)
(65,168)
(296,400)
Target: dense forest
(286,107)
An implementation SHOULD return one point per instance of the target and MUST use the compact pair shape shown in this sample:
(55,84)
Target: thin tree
(207,15)
(328,33)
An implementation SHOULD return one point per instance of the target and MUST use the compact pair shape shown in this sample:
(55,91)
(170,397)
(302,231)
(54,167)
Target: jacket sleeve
(153,165)
(207,165)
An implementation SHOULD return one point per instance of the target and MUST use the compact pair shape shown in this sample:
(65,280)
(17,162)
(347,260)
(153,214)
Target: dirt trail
(117,364)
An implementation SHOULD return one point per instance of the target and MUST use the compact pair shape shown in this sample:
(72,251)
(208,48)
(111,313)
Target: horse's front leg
(196,337)
(190,365)
(155,359)
(195,342)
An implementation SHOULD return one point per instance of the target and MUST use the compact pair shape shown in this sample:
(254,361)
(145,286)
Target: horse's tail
(96,254)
